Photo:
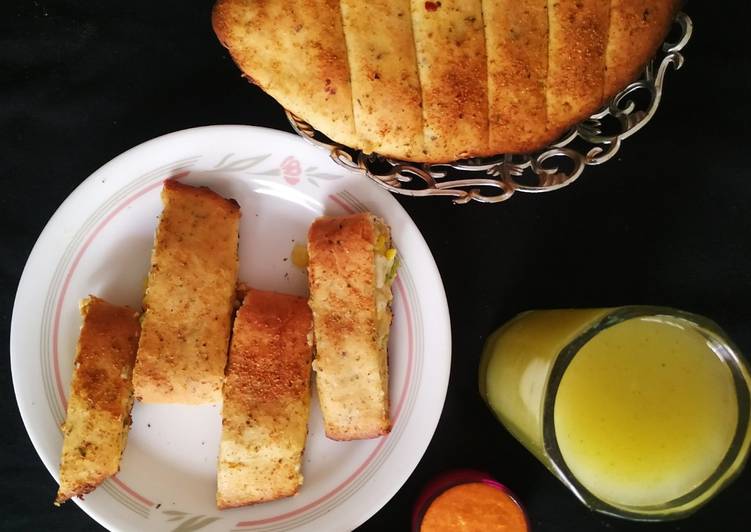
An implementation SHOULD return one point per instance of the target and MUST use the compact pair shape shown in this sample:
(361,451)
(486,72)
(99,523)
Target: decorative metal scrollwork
(594,141)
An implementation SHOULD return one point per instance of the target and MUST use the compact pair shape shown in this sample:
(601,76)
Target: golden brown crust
(270,357)
(637,29)
(266,400)
(98,413)
(385,84)
(295,51)
(189,298)
(228,206)
(107,345)
(351,365)
(450,45)
(578,33)
(517,41)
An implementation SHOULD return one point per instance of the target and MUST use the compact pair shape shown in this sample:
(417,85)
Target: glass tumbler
(642,412)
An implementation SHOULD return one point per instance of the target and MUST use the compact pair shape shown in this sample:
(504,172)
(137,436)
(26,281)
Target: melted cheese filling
(386,265)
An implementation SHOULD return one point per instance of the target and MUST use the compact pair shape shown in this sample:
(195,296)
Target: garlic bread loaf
(350,270)
(266,400)
(101,396)
(189,298)
(440,81)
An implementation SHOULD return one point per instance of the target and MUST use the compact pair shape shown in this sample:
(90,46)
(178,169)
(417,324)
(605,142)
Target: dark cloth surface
(665,223)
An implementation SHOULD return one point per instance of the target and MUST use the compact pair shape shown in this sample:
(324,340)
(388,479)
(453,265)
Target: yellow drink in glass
(642,412)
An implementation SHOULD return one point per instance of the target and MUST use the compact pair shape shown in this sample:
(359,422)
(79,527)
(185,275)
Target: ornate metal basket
(495,179)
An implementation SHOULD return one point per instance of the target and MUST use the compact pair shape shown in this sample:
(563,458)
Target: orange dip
(474,507)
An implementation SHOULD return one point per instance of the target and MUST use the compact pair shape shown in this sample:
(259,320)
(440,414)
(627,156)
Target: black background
(667,223)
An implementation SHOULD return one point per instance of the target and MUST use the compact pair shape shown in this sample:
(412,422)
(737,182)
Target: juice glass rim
(725,472)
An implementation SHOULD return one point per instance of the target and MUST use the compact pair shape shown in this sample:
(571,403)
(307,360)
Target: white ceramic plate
(99,241)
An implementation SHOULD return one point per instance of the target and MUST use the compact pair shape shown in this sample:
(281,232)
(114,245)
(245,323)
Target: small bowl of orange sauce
(465,500)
